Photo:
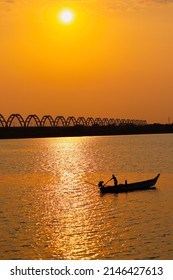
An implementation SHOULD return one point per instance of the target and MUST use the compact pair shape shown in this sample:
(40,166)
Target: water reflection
(49,212)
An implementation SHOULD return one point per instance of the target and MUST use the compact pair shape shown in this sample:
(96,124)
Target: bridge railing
(33,120)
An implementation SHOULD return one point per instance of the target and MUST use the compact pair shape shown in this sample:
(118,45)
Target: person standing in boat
(115,180)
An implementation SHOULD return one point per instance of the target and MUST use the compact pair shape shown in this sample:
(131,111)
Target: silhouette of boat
(137,186)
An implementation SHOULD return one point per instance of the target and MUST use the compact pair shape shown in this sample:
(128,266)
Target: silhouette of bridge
(16,120)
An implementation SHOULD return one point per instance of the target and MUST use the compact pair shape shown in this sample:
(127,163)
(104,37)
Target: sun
(66,16)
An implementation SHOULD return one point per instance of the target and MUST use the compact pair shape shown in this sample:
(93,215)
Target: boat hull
(121,188)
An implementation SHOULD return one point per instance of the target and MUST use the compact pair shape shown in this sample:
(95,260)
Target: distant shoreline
(78,130)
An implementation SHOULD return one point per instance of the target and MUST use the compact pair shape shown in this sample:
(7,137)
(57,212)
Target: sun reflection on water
(49,212)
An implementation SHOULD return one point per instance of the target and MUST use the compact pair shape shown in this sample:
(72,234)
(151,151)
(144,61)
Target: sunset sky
(112,59)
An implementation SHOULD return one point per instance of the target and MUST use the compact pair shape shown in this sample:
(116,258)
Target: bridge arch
(35,118)
(71,120)
(2,121)
(117,121)
(49,118)
(128,121)
(90,121)
(81,121)
(60,120)
(105,121)
(15,116)
(138,122)
(98,121)
(122,121)
(111,121)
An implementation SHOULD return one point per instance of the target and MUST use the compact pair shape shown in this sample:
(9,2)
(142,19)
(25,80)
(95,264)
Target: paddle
(91,183)
(107,182)
(97,185)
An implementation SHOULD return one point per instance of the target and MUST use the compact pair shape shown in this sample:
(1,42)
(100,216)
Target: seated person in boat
(100,184)
(115,180)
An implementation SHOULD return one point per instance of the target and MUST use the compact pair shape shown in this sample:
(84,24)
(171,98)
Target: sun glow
(66,16)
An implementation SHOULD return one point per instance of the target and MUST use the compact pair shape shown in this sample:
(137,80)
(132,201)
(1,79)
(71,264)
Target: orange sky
(115,59)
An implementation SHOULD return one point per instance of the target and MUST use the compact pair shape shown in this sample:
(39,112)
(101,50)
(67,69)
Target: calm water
(47,211)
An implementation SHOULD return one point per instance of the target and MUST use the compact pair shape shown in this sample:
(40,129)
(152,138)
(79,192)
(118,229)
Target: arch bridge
(16,120)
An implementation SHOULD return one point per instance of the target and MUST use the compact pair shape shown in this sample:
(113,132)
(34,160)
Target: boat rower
(115,180)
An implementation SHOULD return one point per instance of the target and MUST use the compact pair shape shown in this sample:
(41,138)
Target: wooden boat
(137,186)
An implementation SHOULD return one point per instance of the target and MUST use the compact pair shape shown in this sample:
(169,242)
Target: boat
(129,187)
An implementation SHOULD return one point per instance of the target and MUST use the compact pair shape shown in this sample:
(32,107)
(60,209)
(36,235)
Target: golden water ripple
(47,211)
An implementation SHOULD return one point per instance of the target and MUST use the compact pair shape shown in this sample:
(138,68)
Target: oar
(90,183)
(107,182)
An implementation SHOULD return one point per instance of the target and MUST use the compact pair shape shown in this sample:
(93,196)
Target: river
(48,211)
